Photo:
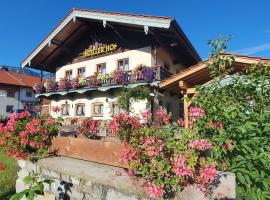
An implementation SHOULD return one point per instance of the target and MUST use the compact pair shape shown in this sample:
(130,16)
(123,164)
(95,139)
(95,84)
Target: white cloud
(254,49)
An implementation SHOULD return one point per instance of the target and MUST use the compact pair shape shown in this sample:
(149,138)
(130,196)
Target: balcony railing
(150,74)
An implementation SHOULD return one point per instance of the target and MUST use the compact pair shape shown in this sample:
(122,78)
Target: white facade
(15,97)
(136,57)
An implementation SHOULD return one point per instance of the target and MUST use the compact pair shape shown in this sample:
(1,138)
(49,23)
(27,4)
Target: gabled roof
(199,74)
(68,24)
(17,79)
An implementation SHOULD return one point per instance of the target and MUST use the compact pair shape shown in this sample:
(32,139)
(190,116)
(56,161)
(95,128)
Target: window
(65,109)
(101,68)
(81,72)
(116,110)
(9,108)
(28,93)
(123,64)
(98,109)
(10,93)
(80,109)
(69,74)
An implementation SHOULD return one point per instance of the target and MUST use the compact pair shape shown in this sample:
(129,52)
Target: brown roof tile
(13,78)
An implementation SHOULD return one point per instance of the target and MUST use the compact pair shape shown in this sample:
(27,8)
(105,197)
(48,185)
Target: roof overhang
(200,73)
(69,25)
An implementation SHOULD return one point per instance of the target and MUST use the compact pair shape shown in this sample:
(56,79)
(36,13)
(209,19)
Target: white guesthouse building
(87,45)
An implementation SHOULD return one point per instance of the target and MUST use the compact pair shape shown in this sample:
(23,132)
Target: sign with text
(100,50)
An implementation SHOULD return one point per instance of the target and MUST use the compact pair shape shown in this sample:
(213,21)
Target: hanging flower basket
(39,88)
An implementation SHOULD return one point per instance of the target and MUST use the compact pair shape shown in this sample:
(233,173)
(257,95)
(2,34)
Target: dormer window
(81,72)
(101,68)
(123,64)
(69,74)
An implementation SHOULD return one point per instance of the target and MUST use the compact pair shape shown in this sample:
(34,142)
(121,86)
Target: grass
(8,176)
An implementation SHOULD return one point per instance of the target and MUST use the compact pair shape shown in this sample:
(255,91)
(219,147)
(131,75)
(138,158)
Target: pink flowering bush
(123,125)
(167,164)
(88,128)
(24,136)
(146,116)
(162,117)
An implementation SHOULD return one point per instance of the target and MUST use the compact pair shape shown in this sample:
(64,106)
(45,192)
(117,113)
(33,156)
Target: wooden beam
(186,110)
(191,90)
(183,85)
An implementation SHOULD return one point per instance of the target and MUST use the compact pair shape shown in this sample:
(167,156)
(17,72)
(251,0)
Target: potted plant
(92,81)
(120,77)
(50,85)
(39,88)
(82,81)
(102,78)
(148,74)
(74,83)
(64,84)
(138,71)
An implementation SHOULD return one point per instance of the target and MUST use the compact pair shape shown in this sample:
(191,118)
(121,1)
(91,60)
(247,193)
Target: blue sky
(25,23)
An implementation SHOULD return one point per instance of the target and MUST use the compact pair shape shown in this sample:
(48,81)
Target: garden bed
(105,151)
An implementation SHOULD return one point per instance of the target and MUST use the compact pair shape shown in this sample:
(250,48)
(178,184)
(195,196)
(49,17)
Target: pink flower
(181,122)
(180,168)
(51,120)
(200,144)
(146,116)
(195,113)
(130,172)
(207,174)
(127,155)
(24,115)
(117,173)
(154,191)
(229,145)
(162,117)
(56,109)
(24,142)
(215,124)
(153,146)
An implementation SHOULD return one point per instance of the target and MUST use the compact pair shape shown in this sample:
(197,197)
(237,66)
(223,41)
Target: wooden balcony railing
(159,73)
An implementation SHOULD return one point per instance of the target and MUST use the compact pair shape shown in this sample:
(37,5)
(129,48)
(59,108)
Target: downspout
(19,96)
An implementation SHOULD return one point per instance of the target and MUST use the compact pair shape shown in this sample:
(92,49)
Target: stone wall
(82,180)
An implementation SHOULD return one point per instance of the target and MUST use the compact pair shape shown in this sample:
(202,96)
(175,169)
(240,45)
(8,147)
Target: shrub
(168,164)
(123,124)
(24,136)
(88,128)
(236,120)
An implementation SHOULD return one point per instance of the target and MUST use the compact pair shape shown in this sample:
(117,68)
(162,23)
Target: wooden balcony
(94,83)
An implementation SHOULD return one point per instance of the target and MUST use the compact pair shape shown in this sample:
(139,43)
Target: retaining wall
(83,180)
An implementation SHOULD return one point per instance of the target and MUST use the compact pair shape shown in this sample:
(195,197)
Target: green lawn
(8,176)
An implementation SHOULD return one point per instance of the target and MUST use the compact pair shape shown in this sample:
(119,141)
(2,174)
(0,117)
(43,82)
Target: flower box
(107,151)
